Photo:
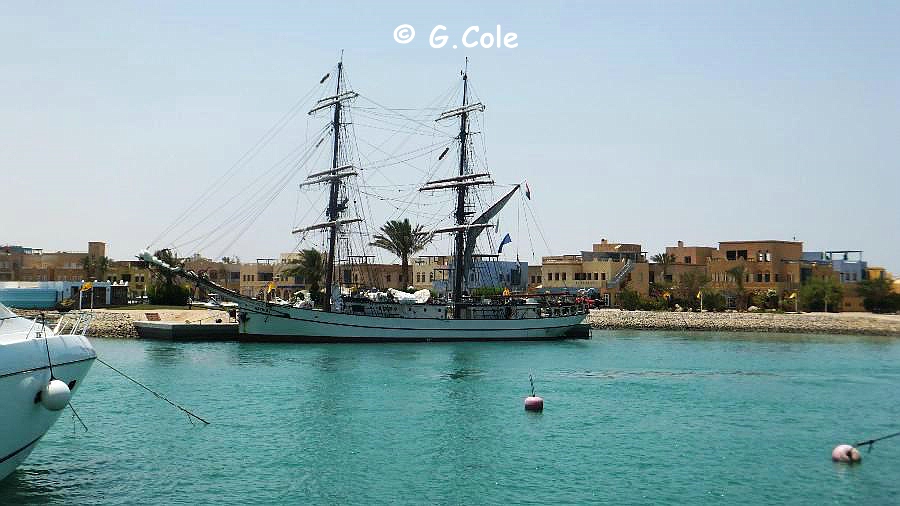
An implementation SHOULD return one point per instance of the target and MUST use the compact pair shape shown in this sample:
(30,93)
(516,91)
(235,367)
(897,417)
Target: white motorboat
(39,371)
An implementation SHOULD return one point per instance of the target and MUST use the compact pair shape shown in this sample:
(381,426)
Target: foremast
(333,177)
(334,192)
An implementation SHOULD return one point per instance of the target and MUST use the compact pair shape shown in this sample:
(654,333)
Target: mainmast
(461,183)
(461,190)
(333,177)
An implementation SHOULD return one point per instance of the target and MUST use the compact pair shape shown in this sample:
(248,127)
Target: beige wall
(695,255)
(768,264)
(428,269)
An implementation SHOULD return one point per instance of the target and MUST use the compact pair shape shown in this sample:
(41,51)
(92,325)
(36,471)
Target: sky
(638,122)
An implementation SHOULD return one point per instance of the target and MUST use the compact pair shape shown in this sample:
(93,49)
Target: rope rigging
(407,137)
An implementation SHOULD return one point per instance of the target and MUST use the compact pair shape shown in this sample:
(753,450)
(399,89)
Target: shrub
(630,300)
(65,305)
(168,295)
(714,301)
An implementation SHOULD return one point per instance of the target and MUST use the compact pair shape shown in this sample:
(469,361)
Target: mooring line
(157,394)
(871,442)
(76,415)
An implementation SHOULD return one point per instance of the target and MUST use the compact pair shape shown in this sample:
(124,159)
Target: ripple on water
(673,419)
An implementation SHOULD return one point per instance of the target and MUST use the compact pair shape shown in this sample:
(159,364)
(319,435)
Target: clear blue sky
(642,122)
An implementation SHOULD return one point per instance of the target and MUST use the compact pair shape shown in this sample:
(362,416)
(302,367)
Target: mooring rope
(157,394)
(871,442)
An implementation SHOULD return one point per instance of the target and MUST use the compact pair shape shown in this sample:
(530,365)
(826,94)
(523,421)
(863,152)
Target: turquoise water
(630,418)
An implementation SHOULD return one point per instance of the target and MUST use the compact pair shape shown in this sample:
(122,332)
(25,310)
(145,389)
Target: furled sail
(472,233)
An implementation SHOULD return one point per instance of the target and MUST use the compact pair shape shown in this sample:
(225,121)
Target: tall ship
(347,312)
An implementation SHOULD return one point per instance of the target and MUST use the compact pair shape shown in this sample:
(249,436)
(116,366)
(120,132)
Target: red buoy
(534,403)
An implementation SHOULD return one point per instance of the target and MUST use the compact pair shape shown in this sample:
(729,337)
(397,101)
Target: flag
(527,191)
(270,286)
(87,286)
(793,295)
(506,240)
(506,292)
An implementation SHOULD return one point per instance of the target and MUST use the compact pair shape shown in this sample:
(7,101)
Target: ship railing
(80,322)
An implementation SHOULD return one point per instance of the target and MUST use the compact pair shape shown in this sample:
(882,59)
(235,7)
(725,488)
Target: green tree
(164,288)
(738,273)
(95,267)
(403,240)
(688,287)
(877,295)
(665,261)
(821,294)
(311,267)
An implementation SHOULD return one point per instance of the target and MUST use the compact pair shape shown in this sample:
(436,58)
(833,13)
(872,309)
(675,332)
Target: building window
(387,278)
(759,256)
(564,276)
(768,256)
(595,276)
(556,276)
(759,277)
(731,255)
(602,276)
(532,280)
(767,277)
(687,260)
(777,277)
(539,278)
(431,276)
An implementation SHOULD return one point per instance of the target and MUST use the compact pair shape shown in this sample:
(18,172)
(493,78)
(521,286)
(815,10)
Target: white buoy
(55,395)
(845,453)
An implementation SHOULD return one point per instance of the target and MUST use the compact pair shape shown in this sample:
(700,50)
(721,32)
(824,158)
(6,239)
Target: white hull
(24,372)
(284,323)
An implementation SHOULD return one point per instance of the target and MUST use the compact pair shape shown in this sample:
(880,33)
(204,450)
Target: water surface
(630,418)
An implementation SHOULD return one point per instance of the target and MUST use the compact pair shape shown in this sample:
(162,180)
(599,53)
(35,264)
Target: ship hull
(266,322)
(23,372)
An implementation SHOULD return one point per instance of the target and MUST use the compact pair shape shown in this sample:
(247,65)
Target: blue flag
(506,240)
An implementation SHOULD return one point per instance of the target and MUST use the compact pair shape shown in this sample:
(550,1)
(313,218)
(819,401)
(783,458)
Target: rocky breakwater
(111,324)
(820,323)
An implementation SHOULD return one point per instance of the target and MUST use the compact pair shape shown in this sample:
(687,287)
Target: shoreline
(861,324)
(119,323)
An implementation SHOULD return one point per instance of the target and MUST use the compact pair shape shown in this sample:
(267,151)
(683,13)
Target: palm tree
(164,289)
(403,240)
(101,266)
(87,264)
(665,261)
(95,267)
(737,274)
(311,267)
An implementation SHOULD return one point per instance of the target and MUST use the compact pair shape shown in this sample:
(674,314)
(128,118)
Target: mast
(333,207)
(461,190)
